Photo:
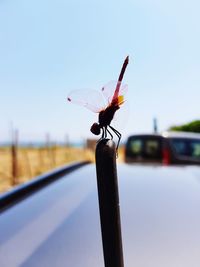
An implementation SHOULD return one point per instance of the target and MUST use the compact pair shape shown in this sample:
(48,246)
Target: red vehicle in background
(166,148)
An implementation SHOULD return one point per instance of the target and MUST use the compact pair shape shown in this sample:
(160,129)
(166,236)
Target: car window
(195,149)
(187,147)
(136,146)
(144,147)
(180,146)
(152,148)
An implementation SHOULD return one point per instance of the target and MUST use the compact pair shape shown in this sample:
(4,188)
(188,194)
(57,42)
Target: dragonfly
(105,103)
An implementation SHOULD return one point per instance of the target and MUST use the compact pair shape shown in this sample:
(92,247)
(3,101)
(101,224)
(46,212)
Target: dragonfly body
(105,118)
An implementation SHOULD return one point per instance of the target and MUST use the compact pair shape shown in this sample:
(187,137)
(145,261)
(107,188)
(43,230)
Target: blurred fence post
(28,164)
(14,158)
(67,140)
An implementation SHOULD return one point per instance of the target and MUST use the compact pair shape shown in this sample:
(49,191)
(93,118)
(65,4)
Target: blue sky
(48,48)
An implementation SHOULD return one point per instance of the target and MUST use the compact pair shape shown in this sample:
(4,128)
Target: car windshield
(187,147)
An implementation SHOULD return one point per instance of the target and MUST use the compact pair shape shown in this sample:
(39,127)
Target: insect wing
(91,99)
(109,90)
(121,117)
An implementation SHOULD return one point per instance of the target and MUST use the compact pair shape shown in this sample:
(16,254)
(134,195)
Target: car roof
(145,135)
(59,225)
(169,134)
(172,134)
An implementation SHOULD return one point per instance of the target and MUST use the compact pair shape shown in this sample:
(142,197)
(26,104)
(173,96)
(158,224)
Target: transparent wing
(91,99)
(114,88)
(121,117)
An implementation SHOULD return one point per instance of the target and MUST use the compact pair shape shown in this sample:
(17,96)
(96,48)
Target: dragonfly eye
(95,129)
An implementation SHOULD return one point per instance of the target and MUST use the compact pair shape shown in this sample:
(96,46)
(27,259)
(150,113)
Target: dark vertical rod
(155,125)
(109,203)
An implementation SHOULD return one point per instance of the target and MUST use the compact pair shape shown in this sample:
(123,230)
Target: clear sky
(48,48)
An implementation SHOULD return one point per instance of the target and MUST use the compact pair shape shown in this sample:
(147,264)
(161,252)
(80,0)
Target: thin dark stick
(109,203)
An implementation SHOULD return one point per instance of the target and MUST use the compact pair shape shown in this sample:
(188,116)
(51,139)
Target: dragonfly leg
(105,131)
(118,135)
(109,133)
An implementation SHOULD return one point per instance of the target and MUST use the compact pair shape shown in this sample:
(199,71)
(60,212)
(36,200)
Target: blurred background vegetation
(193,126)
(21,163)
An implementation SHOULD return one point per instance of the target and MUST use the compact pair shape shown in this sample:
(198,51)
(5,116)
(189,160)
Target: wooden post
(14,158)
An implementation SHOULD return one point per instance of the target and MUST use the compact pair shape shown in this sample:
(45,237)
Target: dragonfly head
(95,128)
